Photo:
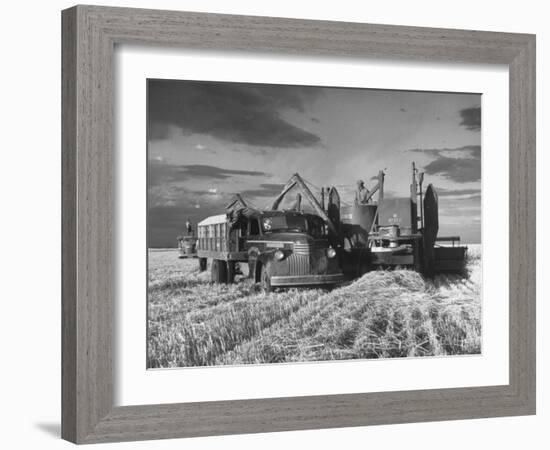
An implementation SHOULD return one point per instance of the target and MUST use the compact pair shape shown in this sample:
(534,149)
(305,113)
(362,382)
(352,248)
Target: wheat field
(384,314)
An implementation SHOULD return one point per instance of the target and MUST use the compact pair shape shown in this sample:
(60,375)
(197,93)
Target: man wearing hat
(188,227)
(362,193)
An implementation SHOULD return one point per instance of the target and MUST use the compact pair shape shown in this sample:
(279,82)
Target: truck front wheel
(230,272)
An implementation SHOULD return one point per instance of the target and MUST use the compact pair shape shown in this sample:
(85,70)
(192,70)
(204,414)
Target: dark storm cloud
(459,170)
(239,113)
(462,164)
(204,171)
(471,118)
(265,190)
(473,151)
(160,172)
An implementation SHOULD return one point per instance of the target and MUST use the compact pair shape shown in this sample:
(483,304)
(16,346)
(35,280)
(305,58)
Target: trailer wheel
(202,264)
(219,271)
(230,272)
(265,279)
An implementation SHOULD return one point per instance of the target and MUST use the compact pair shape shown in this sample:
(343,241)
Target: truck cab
(290,248)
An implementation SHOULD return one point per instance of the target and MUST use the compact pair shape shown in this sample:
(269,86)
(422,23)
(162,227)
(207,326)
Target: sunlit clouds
(207,141)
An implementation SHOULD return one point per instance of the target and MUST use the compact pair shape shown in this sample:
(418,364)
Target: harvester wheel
(265,280)
(202,264)
(219,271)
(230,272)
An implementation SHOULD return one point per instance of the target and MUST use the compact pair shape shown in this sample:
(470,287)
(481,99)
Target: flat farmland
(384,314)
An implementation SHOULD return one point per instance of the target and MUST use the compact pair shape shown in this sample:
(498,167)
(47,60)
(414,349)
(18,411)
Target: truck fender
(257,259)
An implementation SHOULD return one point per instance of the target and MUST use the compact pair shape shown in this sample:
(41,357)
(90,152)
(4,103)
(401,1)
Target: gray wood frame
(89,36)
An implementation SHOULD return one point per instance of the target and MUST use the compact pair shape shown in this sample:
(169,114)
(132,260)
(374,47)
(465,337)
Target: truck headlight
(331,253)
(279,255)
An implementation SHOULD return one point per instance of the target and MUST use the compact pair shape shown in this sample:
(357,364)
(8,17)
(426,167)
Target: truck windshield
(316,227)
(285,223)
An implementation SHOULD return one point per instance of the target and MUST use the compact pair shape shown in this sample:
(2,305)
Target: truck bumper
(306,280)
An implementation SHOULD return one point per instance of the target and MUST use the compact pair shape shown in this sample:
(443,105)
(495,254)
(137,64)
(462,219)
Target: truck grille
(307,259)
(303,249)
(298,264)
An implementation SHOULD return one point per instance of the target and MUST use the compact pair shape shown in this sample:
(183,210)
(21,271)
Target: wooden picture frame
(90,34)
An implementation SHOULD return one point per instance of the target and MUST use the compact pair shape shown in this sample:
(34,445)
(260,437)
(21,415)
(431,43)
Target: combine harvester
(399,232)
(291,248)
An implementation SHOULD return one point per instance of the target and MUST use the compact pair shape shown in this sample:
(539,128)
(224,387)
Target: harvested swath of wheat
(199,337)
(381,315)
(384,314)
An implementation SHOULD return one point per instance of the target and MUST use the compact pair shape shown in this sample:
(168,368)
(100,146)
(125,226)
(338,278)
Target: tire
(265,279)
(230,272)
(202,264)
(214,271)
(219,271)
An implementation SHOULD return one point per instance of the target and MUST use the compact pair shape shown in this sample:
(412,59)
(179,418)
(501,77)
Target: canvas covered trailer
(219,237)
(213,243)
(212,236)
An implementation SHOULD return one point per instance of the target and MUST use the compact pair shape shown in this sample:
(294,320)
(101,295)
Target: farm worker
(362,193)
(297,205)
(189,227)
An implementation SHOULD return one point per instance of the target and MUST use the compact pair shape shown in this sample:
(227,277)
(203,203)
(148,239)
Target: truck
(187,246)
(282,248)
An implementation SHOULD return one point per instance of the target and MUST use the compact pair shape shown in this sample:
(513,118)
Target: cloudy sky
(209,140)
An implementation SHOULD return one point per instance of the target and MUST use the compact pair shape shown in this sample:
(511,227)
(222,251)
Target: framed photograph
(268,222)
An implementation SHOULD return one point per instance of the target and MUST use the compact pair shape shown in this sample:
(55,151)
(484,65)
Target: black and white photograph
(275,225)
(299,223)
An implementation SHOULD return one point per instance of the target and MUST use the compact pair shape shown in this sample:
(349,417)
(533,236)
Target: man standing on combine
(189,227)
(362,193)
